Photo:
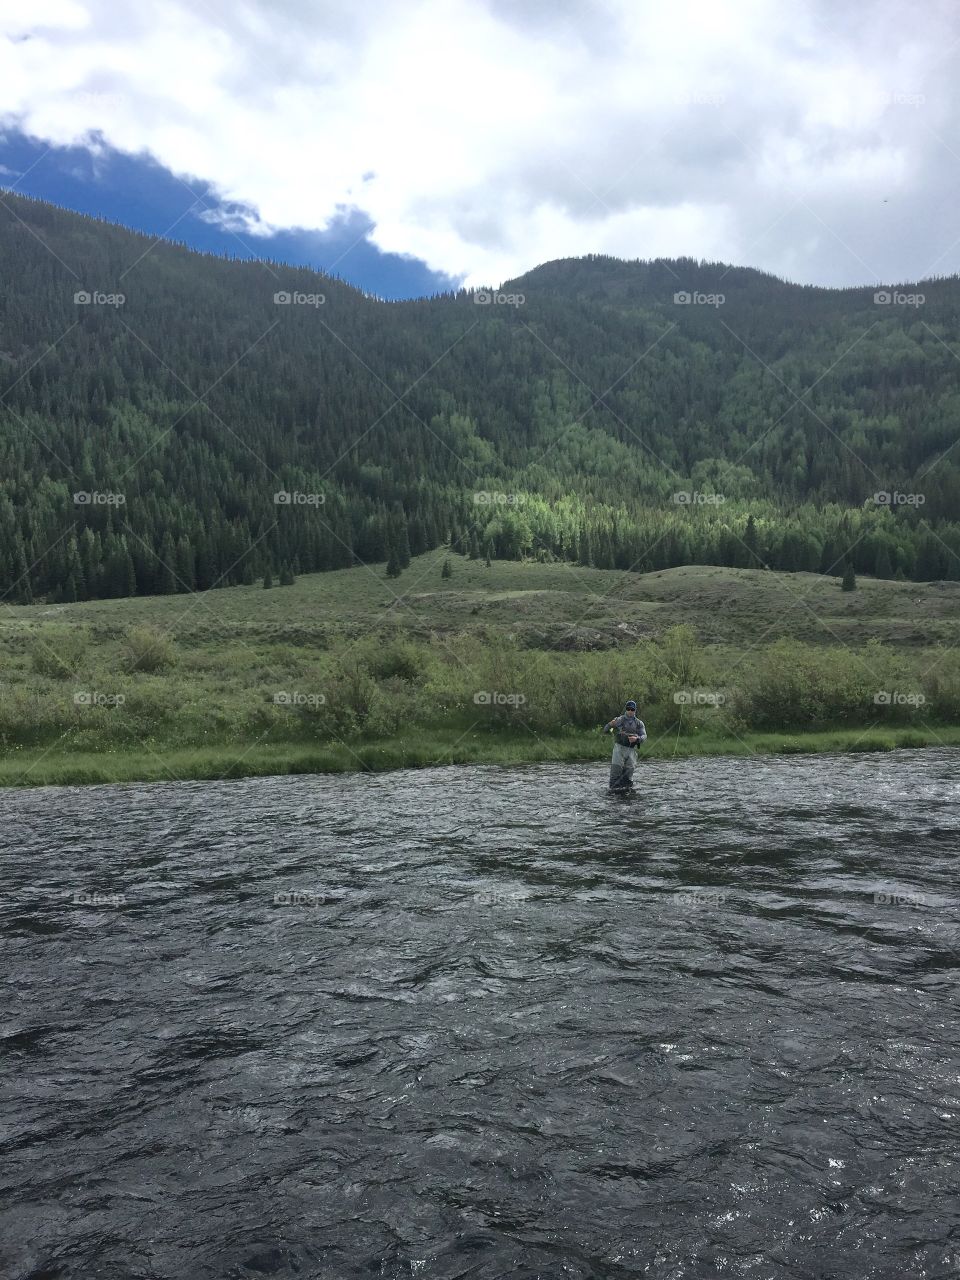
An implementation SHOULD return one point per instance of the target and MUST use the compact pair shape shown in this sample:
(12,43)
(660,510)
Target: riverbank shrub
(551,692)
(393,659)
(59,656)
(467,685)
(147,650)
(794,685)
(940,681)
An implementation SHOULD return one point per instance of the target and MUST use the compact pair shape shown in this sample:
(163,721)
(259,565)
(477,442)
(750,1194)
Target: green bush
(396,706)
(794,686)
(941,684)
(333,719)
(553,692)
(58,656)
(393,659)
(29,717)
(679,660)
(146,708)
(354,706)
(147,650)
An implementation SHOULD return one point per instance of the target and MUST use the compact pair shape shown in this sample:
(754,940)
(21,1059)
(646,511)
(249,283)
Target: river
(482,1022)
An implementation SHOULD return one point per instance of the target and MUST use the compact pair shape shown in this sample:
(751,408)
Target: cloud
(814,140)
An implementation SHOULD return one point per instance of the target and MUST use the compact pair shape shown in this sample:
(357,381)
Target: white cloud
(814,140)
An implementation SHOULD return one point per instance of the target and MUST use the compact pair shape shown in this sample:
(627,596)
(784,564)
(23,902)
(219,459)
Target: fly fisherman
(629,733)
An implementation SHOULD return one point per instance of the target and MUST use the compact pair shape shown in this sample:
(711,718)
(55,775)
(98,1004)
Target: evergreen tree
(750,542)
(929,561)
(165,583)
(849,581)
(586,550)
(403,545)
(883,568)
(185,566)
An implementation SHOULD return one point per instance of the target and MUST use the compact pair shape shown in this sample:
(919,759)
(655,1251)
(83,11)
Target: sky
(414,145)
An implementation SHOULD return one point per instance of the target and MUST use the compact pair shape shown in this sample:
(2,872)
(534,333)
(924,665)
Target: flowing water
(484,1022)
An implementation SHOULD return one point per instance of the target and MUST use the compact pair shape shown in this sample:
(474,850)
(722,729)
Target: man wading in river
(630,732)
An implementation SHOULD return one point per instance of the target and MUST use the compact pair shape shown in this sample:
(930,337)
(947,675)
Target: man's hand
(633,738)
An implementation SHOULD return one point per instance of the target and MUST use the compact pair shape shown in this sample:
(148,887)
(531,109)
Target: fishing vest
(625,725)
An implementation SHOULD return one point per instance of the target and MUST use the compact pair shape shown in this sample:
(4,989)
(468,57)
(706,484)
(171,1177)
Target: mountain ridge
(587,406)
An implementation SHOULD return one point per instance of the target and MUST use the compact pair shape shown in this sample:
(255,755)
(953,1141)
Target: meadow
(499,663)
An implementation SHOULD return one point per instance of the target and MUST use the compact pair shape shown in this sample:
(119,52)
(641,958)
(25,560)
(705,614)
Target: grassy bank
(502,664)
(51,768)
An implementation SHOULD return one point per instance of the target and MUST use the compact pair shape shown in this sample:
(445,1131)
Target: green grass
(399,664)
(724,606)
(51,769)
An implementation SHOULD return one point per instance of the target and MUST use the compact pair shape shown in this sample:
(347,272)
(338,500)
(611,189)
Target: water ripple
(483,1022)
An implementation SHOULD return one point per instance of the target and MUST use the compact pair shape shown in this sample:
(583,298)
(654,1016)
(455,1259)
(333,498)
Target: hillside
(560,418)
(554,608)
